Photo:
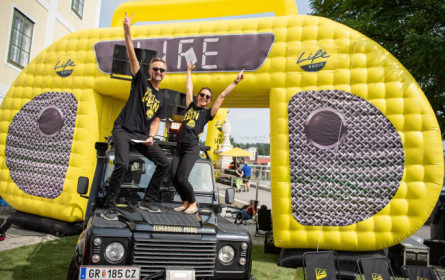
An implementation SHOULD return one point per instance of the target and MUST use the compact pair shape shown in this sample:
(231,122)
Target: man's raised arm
(134,63)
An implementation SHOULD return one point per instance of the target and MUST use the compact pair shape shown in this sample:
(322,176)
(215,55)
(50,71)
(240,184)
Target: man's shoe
(109,214)
(150,207)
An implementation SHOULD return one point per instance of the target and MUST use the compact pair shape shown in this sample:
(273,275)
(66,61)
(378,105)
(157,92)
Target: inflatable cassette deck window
(356,151)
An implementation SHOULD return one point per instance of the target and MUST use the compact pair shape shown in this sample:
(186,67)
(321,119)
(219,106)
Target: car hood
(134,216)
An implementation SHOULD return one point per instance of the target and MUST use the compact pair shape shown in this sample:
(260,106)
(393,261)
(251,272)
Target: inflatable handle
(163,10)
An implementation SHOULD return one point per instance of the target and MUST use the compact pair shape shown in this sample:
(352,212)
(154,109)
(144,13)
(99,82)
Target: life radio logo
(64,66)
(376,276)
(320,273)
(312,58)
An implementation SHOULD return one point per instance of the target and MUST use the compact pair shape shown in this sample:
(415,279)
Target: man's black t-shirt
(143,105)
(193,124)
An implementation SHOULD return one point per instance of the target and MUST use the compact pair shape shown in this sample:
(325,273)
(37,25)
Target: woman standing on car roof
(187,150)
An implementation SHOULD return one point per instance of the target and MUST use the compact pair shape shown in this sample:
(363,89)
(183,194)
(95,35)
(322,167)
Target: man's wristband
(235,82)
(151,137)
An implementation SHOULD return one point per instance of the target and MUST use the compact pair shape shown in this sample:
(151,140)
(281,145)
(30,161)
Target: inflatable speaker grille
(346,158)
(38,145)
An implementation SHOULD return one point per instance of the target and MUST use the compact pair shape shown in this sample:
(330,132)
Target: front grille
(154,255)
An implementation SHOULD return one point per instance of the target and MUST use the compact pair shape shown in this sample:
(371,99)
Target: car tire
(73,270)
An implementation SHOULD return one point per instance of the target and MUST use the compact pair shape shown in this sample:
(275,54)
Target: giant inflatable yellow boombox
(357,159)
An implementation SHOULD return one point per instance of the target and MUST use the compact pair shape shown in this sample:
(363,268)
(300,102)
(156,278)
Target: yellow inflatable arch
(356,149)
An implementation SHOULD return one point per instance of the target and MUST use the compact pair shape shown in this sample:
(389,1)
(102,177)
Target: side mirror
(82,185)
(230,196)
(215,196)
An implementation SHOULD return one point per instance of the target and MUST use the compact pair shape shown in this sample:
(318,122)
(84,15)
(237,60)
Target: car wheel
(250,277)
(73,270)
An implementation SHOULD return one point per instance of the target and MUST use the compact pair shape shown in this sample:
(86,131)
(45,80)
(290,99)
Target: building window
(20,43)
(77,7)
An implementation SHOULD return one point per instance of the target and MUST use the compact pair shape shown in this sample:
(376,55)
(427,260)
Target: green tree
(411,30)
(232,141)
(266,149)
(260,149)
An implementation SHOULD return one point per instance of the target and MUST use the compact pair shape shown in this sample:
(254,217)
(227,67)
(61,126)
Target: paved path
(244,197)
(17,237)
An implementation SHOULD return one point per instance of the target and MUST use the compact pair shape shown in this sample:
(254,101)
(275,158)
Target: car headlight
(97,241)
(95,258)
(114,252)
(226,254)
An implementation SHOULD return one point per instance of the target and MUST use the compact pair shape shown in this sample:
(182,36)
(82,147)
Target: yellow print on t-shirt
(191,116)
(151,102)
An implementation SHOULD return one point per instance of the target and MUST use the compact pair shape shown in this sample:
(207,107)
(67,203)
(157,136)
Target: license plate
(179,274)
(109,272)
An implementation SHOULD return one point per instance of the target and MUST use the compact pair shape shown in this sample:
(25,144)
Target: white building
(254,152)
(29,26)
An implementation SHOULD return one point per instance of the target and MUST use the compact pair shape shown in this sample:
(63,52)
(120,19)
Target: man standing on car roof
(139,120)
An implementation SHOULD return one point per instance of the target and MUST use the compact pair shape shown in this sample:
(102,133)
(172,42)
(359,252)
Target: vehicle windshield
(140,170)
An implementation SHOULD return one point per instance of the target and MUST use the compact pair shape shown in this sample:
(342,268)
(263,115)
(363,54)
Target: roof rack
(166,145)
(169,145)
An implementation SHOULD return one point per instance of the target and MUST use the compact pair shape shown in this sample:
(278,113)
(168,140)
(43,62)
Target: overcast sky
(248,125)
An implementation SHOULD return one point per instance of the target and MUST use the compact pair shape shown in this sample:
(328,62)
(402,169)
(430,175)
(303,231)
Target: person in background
(246,213)
(138,120)
(246,176)
(187,150)
(238,180)
(233,164)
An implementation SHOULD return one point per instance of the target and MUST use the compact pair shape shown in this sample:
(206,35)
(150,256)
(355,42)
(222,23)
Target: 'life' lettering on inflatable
(221,53)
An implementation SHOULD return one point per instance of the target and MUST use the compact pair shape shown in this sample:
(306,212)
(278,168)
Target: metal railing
(258,175)
(260,171)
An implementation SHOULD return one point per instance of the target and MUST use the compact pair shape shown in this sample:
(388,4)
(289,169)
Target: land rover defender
(166,245)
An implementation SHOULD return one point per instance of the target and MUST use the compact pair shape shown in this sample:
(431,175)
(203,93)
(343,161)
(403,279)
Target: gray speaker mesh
(38,164)
(352,181)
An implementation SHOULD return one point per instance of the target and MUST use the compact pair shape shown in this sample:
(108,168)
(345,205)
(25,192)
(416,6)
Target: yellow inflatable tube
(369,187)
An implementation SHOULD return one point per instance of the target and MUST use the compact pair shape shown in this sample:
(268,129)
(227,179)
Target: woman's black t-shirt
(143,105)
(193,124)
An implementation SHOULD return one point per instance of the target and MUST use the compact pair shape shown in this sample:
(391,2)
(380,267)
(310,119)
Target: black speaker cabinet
(269,246)
(437,251)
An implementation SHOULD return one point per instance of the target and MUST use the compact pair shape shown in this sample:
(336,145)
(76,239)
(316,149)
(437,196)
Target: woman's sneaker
(109,214)
(150,207)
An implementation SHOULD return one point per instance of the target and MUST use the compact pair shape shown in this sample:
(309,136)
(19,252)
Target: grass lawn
(265,267)
(47,260)
(50,261)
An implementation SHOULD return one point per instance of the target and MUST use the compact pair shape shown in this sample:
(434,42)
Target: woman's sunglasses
(158,69)
(207,97)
